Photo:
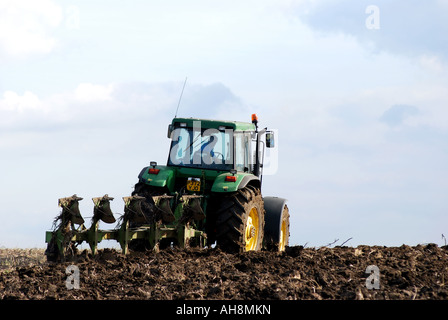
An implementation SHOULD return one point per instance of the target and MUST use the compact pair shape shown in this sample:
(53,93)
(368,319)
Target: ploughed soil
(418,272)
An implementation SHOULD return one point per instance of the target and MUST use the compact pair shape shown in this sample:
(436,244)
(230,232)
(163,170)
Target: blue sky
(87,89)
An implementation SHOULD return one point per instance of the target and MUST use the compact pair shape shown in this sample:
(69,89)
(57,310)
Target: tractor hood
(215,181)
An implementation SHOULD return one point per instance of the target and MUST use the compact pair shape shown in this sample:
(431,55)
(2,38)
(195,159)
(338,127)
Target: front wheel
(240,221)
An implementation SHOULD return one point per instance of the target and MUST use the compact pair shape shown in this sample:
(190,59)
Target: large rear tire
(240,221)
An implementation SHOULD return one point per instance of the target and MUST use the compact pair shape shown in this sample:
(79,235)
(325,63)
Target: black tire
(276,230)
(240,221)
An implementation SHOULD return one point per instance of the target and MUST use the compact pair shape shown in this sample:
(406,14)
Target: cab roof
(215,124)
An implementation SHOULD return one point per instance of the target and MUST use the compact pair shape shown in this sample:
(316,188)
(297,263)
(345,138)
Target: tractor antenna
(180,98)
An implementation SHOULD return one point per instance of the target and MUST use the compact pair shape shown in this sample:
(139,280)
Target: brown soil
(418,272)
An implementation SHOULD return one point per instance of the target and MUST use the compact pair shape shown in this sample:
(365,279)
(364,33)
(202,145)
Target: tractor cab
(218,145)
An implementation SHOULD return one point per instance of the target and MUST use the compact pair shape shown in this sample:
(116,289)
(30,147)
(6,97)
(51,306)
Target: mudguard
(242,180)
(164,177)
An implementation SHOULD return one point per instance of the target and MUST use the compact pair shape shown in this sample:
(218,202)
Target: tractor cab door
(243,152)
(245,148)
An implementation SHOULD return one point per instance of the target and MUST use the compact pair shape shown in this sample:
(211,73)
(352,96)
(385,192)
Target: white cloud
(20,111)
(432,63)
(13,102)
(25,26)
(107,105)
(88,92)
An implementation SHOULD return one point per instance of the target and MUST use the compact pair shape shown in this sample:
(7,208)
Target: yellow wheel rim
(283,237)
(252,231)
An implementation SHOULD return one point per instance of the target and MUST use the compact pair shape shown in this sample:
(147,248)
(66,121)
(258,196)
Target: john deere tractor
(209,192)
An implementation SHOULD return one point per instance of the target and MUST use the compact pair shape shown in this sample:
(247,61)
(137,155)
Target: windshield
(207,149)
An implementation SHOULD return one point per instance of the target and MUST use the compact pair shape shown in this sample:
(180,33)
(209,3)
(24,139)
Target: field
(12,258)
(405,272)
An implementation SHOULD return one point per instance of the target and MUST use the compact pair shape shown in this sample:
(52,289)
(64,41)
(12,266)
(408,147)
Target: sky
(356,91)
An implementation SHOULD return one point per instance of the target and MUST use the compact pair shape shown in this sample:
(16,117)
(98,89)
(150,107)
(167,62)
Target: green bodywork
(214,181)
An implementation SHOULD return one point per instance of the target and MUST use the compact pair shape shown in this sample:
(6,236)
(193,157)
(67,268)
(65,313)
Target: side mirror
(170,130)
(270,141)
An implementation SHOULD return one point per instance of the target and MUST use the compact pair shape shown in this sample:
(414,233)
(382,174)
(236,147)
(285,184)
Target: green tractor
(208,193)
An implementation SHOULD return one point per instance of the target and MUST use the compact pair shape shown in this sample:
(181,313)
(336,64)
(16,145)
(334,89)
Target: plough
(133,226)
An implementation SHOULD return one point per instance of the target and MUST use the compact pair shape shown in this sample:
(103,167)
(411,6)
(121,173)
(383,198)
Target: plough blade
(192,207)
(102,210)
(70,208)
(133,210)
(163,207)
